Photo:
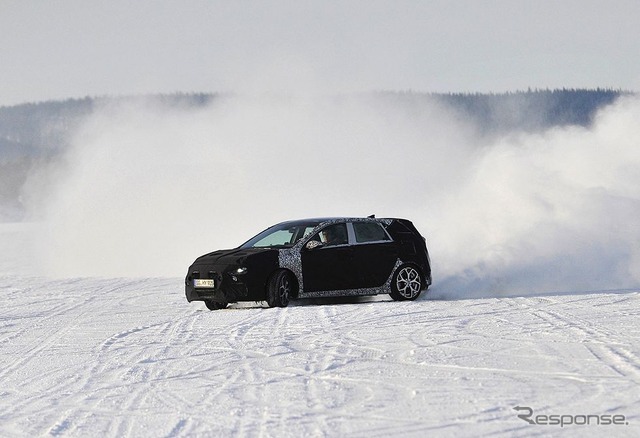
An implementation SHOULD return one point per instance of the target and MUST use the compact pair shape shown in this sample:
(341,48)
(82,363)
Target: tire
(406,284)
(279,289)
(215,305)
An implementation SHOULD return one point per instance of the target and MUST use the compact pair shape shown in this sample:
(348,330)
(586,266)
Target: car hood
(231,256)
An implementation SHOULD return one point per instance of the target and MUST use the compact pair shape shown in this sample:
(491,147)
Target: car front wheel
(215,305)
(279,289)
(406,283)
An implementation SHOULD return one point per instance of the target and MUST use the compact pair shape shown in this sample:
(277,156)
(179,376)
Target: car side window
(332,235)
(369,232)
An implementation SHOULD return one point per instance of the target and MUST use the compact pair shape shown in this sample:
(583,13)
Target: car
(312,258)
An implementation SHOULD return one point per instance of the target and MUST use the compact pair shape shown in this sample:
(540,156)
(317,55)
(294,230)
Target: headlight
(240,271)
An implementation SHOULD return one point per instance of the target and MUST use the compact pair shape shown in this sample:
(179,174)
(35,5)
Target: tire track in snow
(587,330)
(48,324)
(131,366)
(252,370)
(150,364)
(42,349)
(619,359)
(107,368)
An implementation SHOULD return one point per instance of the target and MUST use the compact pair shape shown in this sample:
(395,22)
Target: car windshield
(281,235)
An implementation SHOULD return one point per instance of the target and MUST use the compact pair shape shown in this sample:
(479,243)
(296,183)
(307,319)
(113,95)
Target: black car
(315,258)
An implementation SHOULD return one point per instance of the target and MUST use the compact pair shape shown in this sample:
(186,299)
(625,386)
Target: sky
(77,48)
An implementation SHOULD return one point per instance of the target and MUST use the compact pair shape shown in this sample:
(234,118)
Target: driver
(333,235)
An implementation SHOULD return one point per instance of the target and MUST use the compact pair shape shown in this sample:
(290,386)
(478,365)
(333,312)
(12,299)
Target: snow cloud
(146,189)
(552,211)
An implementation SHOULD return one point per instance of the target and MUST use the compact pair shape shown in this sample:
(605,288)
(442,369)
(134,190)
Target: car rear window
(369,232)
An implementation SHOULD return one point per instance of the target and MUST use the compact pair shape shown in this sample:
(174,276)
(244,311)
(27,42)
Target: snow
(130,357)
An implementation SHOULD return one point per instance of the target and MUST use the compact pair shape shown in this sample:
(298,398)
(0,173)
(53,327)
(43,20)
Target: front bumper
(194,294)
(228,288)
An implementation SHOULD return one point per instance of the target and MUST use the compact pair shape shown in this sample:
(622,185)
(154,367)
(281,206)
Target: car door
(374,254)
(328,265)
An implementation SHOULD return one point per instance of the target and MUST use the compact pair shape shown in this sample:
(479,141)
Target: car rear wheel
(406,283)
(279,289)
(215,305)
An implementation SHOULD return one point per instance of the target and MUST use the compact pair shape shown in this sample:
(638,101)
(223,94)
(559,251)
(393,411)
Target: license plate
(201,282)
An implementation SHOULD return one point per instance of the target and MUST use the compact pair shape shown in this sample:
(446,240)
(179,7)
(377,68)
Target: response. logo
(562,420)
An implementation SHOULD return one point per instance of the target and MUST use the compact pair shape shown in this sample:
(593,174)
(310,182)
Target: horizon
(171,94)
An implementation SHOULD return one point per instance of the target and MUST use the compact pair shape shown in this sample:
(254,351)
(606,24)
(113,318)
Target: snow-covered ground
(130,357)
